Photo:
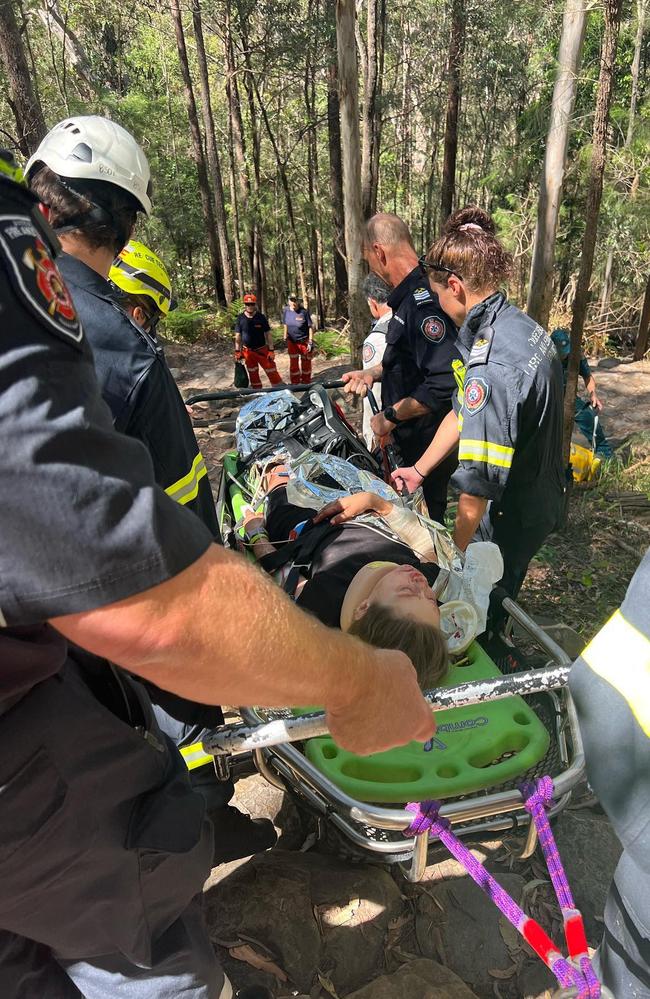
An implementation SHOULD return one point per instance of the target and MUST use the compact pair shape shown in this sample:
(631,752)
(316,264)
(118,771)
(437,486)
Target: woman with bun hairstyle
(507,416)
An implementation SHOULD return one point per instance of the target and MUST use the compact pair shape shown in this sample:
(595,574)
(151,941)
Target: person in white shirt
(376,292)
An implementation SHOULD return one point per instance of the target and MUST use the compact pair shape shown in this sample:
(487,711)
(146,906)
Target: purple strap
(538,796)
(427,819)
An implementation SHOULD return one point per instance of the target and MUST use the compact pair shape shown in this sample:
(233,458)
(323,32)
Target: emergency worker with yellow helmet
(144,285)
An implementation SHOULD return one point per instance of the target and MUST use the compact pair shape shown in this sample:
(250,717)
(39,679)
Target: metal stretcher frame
(283,764)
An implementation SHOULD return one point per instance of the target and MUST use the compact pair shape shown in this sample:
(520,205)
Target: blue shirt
(298,323)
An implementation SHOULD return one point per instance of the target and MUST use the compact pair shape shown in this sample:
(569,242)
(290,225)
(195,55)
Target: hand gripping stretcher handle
(243,738)
(240,393)
(387,449)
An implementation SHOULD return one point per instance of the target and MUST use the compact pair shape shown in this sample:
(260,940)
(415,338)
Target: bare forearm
(410,409)
(443,444)
(216,633)
(468,517)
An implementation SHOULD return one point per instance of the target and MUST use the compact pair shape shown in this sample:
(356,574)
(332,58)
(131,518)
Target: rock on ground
(421,979)
(309,914)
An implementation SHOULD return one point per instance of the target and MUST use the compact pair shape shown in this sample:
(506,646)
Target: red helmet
(250,299)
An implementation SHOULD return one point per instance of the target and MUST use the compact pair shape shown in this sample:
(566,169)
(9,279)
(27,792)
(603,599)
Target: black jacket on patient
(332,566)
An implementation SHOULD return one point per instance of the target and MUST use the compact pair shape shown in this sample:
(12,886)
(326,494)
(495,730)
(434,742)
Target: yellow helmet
(9,168)
(138,271)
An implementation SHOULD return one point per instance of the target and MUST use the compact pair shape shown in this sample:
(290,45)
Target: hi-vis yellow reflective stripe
(491,454)
(621,656)
(187,488)
(459,370)
(195,756)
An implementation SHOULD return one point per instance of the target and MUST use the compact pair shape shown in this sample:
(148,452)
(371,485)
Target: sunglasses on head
(423,262)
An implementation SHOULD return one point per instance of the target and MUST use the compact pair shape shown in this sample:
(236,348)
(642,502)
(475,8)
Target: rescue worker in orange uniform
(254,342)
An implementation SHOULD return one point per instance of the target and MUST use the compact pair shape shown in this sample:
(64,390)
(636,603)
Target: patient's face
(407,593)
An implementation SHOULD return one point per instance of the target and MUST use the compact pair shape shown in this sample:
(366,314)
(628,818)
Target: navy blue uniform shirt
(298,323)
(420,348)
(83,522)
(140,391)
(252,329)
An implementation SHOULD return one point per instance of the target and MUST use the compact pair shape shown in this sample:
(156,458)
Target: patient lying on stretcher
(369,575)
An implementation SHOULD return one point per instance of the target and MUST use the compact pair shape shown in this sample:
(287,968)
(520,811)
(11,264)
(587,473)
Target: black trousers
(411,441)
(103,853)
(519,534)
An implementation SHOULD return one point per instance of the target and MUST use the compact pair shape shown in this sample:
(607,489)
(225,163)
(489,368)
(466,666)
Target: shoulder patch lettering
(368,352)
(481,347)
(36,278)
(434,329)
(477,393)
(421,295)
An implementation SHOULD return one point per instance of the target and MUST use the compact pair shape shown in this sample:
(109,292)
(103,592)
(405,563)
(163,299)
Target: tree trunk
(336,190)
(22,99)
(454,66)
(351,157)
(213,155)
(302,273)
(641,345)
(641,7)
(237,129)
(594,194)
(369,118)
(540,292)
(57,24)
(378,117)
(607,284)
(197,150)
(311,149)
(234,207)
(256,240)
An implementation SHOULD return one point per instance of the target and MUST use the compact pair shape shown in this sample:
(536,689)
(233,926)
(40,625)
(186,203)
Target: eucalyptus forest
(240,106)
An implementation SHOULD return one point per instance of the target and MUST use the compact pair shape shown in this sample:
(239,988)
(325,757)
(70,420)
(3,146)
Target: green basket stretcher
(474,748)
(478,755)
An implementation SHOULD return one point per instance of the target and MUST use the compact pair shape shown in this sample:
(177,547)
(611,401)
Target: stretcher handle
(240,393)
(387,449)
(243,738)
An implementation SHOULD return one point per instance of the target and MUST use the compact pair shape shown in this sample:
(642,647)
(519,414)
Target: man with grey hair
(376,292)
(416,372)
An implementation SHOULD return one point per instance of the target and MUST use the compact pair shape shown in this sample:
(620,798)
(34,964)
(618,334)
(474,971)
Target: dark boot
(238,835)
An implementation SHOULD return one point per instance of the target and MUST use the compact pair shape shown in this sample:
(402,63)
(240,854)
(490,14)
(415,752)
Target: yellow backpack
(584,463)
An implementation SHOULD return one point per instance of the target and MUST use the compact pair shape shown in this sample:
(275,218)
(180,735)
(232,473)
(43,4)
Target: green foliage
(332,343)
(185,325)
(127,67)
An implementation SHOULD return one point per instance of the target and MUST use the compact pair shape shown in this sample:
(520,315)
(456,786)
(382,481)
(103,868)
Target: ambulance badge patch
(477,393)
(368,352)
(434,329)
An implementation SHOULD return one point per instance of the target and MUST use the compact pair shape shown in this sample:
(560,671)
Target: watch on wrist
(391,415)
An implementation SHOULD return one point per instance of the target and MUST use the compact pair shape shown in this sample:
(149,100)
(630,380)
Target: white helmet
(89,147)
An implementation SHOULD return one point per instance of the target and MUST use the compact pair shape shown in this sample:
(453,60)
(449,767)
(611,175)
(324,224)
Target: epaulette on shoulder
(422,296)
(481,347)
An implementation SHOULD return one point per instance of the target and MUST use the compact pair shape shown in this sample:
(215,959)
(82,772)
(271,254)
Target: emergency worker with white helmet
(104,847)
(95,179)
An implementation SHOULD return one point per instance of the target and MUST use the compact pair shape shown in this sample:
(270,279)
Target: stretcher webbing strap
(577,974)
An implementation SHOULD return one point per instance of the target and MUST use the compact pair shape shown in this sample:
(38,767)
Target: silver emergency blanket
(262,414)
(306,487)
